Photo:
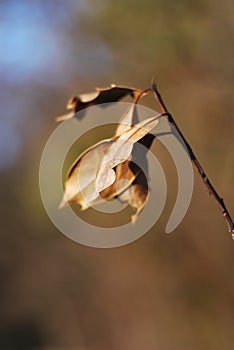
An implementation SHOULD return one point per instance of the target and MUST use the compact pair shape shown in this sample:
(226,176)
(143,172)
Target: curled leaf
(130,117)
(81,178)
(80,181)
(98,173)
(88,176)
(136,195)
(121,150)
(126,171)
(130,186)
(101,95)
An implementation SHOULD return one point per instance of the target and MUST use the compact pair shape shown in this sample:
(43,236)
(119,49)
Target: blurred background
(163,291)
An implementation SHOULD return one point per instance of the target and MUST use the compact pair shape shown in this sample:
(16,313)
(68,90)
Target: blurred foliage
(163,291)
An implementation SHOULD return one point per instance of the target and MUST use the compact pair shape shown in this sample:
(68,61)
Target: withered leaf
(110,161)
(130,117)
(121,150)
(136,195)
(81,177)
(86,166)
(87,178)
(134,191)
(100,96)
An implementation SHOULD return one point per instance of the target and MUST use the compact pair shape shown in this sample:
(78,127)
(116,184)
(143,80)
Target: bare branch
(206,181)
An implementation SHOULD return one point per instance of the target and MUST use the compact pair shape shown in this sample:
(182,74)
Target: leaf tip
(63,203)
(63,117)
(72,102)
(134,218)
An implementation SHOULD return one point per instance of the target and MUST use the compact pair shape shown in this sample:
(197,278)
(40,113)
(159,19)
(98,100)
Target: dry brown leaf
(82,175)
(109,161)
(87,164)
(101,95)
(136,195)
(87,178)
(130,117)
(124,171)
(120,150)
(134,190)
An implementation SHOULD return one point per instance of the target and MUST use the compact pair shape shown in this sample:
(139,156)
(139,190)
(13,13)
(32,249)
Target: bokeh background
(163,291)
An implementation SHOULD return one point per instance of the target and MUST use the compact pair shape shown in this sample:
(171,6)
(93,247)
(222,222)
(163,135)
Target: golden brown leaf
(100,96)
(120,150)
(96,175)
(92,172)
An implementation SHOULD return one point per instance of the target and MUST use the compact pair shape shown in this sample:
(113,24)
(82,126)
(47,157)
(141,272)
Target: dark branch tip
(153,85)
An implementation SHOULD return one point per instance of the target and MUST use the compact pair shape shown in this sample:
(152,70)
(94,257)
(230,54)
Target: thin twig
(211,189)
